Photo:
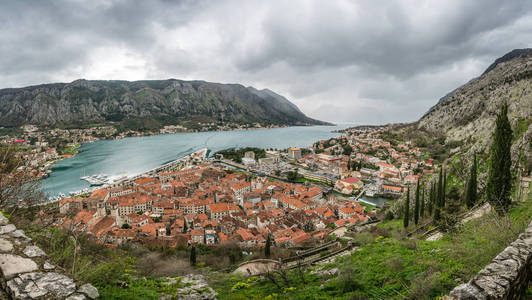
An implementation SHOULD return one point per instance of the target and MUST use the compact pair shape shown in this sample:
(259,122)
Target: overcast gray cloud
(361,61)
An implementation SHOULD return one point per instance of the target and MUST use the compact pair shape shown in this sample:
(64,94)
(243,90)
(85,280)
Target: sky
(366,61)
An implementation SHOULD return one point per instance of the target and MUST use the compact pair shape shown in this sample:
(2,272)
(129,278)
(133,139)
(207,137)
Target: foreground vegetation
(388,265)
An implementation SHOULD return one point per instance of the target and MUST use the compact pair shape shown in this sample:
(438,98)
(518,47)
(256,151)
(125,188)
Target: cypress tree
(471,186)
(499,177)
(431,198)
(443,188)
(422,207)
(193,256)
(267,247)
(416,205)
(437,197)
(436,213)
(406,217)
(439,188)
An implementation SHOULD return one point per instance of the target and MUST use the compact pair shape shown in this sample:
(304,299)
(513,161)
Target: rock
(19,233)
(76,297)
(331,272)
(493,287)
(89,290)
(5,245)
(24,289)
(7,228)
(170,281)
(37,283)
(467,291)
(33,251)
(48,266)
(196,288)
(12,265)
(435,237)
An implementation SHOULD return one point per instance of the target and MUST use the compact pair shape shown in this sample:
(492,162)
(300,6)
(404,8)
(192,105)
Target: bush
(240,285)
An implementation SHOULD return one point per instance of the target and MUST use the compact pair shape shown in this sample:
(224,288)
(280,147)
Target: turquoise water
(138,154)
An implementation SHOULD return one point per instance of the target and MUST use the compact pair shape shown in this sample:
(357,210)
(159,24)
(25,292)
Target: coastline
(150,133)
(178,147)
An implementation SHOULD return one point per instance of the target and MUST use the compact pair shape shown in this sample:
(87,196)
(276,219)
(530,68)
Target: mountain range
(171,101)
(467,114)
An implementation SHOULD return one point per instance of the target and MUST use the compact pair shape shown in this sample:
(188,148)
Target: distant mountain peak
(516,53)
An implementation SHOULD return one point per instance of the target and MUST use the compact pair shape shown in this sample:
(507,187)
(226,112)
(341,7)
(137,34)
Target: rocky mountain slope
(467,114)
(85,101)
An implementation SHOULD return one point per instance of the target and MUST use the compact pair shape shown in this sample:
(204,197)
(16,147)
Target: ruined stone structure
(506,277)
(25,272)
(257,266)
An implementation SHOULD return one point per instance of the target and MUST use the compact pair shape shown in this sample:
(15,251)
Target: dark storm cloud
(357,61)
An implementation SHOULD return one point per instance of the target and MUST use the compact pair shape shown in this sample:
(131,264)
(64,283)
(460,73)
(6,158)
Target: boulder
(48,266)
(89,290)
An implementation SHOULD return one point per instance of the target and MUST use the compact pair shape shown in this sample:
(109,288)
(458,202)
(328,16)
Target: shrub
(240,285)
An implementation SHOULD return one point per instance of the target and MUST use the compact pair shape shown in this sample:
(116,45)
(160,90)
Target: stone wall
(25,272)
(506,277)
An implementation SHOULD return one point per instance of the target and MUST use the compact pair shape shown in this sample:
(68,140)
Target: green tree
(439,201)
(471,185)
(444,188)
(416,205)
(437,196)
(292,175)
(431,199)
(193,256)
(499,176)
(267,247)
(422,206)
(406,217)
(347,149)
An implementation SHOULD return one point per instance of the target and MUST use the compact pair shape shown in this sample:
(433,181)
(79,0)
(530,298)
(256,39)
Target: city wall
(506,277)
